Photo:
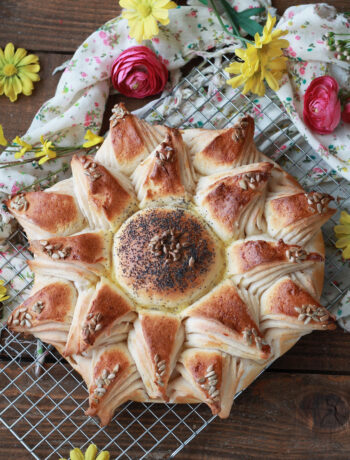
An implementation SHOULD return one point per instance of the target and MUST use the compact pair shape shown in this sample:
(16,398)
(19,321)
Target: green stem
(38,181)
(65,151)
(236,35)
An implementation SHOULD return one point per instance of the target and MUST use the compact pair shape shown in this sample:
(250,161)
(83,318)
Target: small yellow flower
(3,141)
(3,291)
(262,60)
(17,72)
(142,16)
(92,139)
(90,454)
(46,153)
(342,233)
(25,147)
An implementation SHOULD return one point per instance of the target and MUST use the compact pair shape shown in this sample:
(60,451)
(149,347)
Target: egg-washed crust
(255,253)
(58,300)
(215,269)
(106,194)
(55,213)
(289,299)
(87,248)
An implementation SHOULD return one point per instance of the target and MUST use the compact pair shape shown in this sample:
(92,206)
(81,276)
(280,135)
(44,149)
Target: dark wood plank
(53,25)
(289,416)
(299,415)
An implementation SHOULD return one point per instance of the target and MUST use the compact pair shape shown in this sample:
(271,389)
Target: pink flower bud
(137,72)
(321,105)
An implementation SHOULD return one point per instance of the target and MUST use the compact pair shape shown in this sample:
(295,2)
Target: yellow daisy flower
(142,16)
(92,139)
(342,232)
(3,291)
(90,454)
(46,153)
(262,60)
(3,141)
(25,147)
(17,72)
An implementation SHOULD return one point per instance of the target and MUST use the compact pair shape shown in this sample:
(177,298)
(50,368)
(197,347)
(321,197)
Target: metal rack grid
(46,413)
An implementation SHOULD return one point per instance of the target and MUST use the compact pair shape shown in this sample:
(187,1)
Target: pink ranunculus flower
(322,105)
(137,72)
(345,115)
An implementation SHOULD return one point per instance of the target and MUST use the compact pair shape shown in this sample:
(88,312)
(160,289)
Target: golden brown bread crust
(242,242)
(226,307)
(56,302)
(127,140)
(53,212)
(227,197)
(291,208)
(164,178)
(159,332)
(105,192)
(289,299)
(85,247)
(227,148)
(105,308)
(253,253)
(146,271)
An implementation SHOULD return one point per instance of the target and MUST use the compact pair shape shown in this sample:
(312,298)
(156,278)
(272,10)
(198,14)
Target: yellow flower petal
(236,81)
(9,90)
(271,81)
(150,26)
(28,60)
(343,242)
(346,253)
(9,52)
(103,456)
(234,67)
(344,218)
(76,454)
(342,229)
(91,452)
(19,55)
(3,141)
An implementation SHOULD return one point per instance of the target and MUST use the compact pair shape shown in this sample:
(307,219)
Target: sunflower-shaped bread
(174,266)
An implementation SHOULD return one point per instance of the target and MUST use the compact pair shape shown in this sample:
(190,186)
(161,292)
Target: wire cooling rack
(46,413)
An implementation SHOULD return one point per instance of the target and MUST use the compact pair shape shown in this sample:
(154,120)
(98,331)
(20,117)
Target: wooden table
(300,407)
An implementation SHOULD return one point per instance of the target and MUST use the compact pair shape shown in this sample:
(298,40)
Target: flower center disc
(145,10)
(166,258)
(9,70)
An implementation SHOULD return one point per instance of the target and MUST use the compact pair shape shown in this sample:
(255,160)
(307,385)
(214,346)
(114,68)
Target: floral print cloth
(309,58)
(84,87)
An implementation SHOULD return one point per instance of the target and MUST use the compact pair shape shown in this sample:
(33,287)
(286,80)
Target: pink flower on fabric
(302,70)
(321,105)
(102,34)
(290,14)
(345,115)
(291,51)
(14,189)
(137,72)
(88,120)
(297,37)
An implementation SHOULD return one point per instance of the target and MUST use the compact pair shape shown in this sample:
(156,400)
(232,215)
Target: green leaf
(241,20)
(205,2)
(250,26)
(250,12)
